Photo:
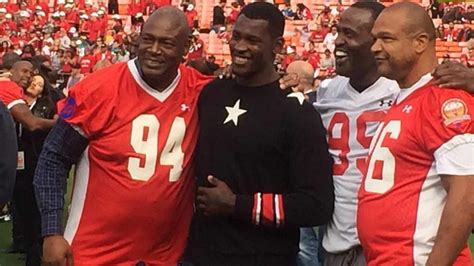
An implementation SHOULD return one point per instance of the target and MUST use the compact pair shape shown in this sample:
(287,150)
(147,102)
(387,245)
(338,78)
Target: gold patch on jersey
(454,111)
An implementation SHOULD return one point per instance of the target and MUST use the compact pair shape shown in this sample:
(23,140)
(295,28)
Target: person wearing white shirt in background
(65,42)
(331,38)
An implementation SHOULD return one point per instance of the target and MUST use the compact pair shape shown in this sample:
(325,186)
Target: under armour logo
(184,107)
(386,103)
(407,109)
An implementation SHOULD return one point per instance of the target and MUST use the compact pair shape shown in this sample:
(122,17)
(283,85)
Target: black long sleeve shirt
(8,155)
(269,146)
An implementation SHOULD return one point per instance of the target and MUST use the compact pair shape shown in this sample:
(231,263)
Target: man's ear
(278,45)
(421,42)
(187,45)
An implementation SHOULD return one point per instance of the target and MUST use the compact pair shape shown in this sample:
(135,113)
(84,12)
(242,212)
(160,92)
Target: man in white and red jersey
(351,106)
(131,128)
(11,95)
(416,200)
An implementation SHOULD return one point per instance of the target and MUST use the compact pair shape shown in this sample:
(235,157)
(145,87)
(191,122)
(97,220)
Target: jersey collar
(405,92)
(160,96)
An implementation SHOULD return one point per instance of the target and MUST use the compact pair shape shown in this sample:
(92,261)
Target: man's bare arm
(457,220)
(24,116)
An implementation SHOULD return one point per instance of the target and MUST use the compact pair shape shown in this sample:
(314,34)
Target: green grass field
(17,260)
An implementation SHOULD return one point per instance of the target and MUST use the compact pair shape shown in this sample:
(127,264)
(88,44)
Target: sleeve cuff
(15,102)
(51,223)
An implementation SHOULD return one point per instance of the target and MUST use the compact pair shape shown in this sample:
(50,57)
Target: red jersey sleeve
(445,113)
(446,130)
(90,105)
(11,94)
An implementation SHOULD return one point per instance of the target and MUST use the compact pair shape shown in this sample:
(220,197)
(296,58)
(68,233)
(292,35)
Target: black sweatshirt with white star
(269,146)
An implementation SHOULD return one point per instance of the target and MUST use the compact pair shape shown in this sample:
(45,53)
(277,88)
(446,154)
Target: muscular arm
(457,220)
(454,74)
(24,116)
(62,148)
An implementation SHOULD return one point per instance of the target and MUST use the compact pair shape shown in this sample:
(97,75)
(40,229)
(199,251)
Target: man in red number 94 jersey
(136,126)
(416,199)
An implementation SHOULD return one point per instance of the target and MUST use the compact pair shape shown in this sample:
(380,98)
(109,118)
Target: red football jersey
(134,186)
(401,198)
(10,93)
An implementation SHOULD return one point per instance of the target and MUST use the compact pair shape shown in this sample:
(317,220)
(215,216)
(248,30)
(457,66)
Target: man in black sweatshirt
(263,165)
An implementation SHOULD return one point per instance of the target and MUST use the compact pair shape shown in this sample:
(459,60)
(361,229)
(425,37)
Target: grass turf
(16,259)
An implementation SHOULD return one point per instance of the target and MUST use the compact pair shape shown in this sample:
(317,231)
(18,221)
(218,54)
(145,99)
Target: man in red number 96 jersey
(416,199)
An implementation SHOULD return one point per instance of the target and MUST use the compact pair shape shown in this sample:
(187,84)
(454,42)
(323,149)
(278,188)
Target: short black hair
(269,13)
(9,59)
(375,8)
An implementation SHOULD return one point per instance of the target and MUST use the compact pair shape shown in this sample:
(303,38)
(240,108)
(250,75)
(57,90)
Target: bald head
(21,64)
(404,48)
(163,43)
(415,19)
(304,70)
(172,16)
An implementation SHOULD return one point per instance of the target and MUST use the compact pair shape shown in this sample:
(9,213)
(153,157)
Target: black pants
(28,216)
(209,258)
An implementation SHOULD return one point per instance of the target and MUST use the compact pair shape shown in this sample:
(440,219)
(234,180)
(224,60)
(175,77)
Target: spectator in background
(324,17)
(138,22)
(192,16)
(28,51)
(196,49)
(218,16)
(452,14)
(233,13)
(451,33)
(436,12)
(330,38)
(122,55)
(69,59)
(46,49)
(113,7)
(104,54)
(327,62)
(318,34)
(65,41)
(440,32)
(468,16)
(75,77)
(4,48)
(311,55)
(305,72)
(8,157)
(290,56)
(303,12)
(288,12)
(118,24)
(465,34)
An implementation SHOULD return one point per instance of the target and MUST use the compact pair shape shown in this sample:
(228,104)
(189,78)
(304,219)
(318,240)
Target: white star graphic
(234,113)
(298,95)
